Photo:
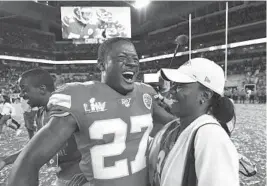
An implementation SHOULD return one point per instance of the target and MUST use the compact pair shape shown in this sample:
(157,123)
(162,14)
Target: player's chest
(119,117)
(122,107)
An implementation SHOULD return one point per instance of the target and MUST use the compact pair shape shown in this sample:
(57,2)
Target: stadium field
(249,137)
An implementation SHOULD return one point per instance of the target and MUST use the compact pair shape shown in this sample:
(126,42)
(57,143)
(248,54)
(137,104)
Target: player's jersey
(68,158)
(79,30)
(113,130)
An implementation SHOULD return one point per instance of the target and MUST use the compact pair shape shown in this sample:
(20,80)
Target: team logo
(126,102)
(94,106)
(147,100)
(207,80)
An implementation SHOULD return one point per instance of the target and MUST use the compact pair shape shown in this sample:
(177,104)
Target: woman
(197,150)
(7,111)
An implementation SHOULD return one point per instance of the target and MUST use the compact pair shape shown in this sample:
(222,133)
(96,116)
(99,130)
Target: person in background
(242,96)
(263,95)
(235,95)
(252,96)
(7,113)
(36,87)
(28,116)
(248,93)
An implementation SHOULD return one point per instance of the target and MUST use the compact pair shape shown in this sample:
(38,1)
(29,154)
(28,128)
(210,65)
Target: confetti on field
(249,137)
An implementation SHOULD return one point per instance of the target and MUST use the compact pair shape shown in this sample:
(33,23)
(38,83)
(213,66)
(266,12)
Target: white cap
(201,70)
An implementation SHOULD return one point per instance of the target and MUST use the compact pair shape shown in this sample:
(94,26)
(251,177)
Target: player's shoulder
(145,88)
(69,88)
(64,94)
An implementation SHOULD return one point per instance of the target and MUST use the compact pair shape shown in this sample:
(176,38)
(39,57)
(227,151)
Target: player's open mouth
(128,76)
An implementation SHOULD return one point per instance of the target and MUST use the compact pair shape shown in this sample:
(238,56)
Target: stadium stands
(25,38)
(208,26)
(21,41)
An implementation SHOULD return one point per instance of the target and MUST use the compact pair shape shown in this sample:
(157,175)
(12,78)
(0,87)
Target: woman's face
(187,98)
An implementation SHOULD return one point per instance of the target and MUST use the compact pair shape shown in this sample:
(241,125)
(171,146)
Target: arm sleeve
(59,105)
(216,158)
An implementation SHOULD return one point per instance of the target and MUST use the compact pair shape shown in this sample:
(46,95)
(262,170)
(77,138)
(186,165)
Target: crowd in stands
(21,41)
(76,77)
(254,71)
(25,38)
(208,24)
(24,42)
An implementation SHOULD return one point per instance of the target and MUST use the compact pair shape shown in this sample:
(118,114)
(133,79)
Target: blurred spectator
(242,94)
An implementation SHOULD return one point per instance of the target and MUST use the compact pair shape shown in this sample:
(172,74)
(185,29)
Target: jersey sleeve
(63,101)
(60,102)
(216,158)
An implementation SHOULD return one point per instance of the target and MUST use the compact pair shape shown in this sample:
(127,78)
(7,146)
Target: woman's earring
(202,101)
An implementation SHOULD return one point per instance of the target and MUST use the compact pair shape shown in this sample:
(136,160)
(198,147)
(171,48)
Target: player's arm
(69,28)
(7,160)
(40,150)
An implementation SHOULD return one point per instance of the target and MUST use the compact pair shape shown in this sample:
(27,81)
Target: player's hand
(2,163)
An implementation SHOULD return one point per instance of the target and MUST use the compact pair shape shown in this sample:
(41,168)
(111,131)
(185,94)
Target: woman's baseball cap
(201,70)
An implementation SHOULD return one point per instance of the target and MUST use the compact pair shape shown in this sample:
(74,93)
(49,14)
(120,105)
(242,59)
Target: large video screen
(95,24)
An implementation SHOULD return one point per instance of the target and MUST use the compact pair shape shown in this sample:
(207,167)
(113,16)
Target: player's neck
(119,91)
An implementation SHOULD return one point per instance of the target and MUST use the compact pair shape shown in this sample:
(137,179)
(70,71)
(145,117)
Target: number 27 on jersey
(119,128)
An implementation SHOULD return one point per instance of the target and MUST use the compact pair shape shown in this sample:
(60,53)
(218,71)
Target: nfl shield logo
(126,102)
(147,101)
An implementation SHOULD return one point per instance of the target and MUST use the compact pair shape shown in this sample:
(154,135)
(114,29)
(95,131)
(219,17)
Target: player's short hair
(104,48)
(38,77)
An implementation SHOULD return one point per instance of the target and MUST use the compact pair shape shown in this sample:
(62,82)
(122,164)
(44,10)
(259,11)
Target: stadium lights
(139,4)
(166,56)
(208,49)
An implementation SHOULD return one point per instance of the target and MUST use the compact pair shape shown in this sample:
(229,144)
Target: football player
(83,25)
(111,30)
(36,87)
(111,121)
